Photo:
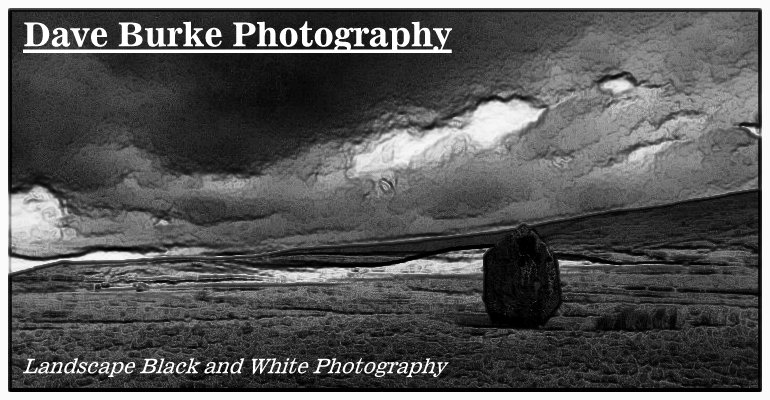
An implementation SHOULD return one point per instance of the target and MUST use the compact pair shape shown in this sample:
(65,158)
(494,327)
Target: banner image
(212,200)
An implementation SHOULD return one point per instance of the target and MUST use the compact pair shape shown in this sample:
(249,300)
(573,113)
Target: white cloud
(478,130)
(36,216)
(617,86)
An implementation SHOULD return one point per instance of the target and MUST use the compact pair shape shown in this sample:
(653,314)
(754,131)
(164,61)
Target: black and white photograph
(384,199)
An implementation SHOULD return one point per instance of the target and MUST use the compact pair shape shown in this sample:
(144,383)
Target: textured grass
(606,335)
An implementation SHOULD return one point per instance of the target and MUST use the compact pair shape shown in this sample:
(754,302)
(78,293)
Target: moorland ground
(619,326)
(670,298)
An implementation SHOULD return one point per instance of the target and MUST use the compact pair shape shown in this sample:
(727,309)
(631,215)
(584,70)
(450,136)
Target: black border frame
(758,11)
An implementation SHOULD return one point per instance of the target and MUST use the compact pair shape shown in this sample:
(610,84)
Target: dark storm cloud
(235,114)
(534,116)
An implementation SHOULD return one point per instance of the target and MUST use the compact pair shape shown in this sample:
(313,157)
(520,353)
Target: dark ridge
(607,261)
(555,232)
(369,247)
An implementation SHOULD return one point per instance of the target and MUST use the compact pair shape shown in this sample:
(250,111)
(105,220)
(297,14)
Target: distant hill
(719,231)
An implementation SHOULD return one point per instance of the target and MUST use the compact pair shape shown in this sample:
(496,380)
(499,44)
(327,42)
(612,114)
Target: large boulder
(521,280)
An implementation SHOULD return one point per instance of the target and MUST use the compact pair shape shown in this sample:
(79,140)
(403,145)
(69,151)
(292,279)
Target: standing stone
(521,280)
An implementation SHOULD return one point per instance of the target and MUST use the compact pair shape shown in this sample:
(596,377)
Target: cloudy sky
(534,116)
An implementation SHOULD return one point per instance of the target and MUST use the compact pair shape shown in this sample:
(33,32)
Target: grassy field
(672,310)
(635,326)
